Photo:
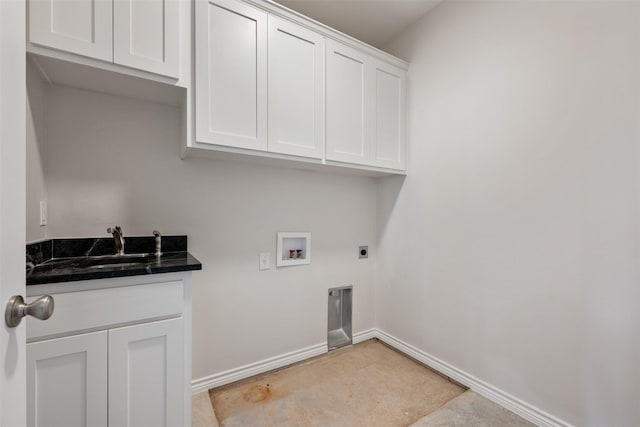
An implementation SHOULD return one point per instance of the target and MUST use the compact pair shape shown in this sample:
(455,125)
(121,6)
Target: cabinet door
(389,117)
(146,35)
(296,90)
(231,74)
(67,382)
(84,27)
(348,104)
(146,375)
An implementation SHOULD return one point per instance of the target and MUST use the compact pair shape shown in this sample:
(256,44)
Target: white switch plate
(43,213)
(265,260)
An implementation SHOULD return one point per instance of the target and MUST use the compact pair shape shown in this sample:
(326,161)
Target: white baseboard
(369,334)
(525,410)
(246,371)
(236,374)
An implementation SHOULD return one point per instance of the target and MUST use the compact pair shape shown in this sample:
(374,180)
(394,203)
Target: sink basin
(115,265)
(115,261)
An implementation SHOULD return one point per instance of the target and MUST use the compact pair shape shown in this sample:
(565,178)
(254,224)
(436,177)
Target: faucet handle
(114,230)
(158,237)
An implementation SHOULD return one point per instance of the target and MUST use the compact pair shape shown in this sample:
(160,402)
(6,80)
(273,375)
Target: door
(67,381)
(231,74)
(84,27)
(296,90)
(146,368)
(146,35)
(12,207)
(389,116)
(348,104)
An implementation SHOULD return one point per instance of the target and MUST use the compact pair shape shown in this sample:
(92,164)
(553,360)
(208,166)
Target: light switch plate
(265,260)
(43,213)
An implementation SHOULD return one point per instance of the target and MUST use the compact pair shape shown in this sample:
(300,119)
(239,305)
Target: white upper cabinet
(146,35)
(83,27)
(389,116)
(296,90)
(231,74)
(366,109)
(141,34)
(348,104)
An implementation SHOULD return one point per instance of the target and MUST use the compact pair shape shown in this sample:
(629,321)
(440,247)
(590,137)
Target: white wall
(35,146)
(511,250)
(112,160)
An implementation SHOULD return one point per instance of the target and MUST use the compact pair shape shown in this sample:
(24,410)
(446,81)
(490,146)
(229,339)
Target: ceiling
(373,21)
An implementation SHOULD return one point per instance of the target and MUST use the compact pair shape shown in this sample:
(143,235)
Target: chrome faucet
(118,239)
(158,237)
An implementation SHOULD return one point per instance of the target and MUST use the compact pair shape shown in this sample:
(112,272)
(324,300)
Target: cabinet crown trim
(327,31)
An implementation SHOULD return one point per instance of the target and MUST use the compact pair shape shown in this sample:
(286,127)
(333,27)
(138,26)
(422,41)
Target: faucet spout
(118,239)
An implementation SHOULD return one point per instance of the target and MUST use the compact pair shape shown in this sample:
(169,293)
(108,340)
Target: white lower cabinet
(134,371)
(67,381)
(145,375)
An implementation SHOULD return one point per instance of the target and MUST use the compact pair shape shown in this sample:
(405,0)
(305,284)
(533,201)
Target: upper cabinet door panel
(348,104)
(231,74)
(296,90)
(146,35)
(389,125)
(84,27)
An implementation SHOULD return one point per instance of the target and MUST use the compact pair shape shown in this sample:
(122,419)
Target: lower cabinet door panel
(146,368)
(67,381)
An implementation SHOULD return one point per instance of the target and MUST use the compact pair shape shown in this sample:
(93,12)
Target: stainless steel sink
(115,265)
(115,261)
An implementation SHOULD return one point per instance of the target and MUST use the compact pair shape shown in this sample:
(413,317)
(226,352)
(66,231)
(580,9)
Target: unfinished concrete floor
(202,414)
(467,410)
(368,384)
(472,410)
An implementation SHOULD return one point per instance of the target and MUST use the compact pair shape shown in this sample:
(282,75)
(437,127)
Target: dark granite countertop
(68,260)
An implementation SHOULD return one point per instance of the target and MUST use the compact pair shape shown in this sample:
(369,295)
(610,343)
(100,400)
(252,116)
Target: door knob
(42,309)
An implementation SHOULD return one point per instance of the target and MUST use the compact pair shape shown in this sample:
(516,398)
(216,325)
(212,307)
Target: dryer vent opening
(339,329)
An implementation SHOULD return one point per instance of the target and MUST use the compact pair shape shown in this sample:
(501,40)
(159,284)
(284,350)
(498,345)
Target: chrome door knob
(42,309)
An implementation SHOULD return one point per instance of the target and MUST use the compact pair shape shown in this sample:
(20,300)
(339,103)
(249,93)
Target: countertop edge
(189,263)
